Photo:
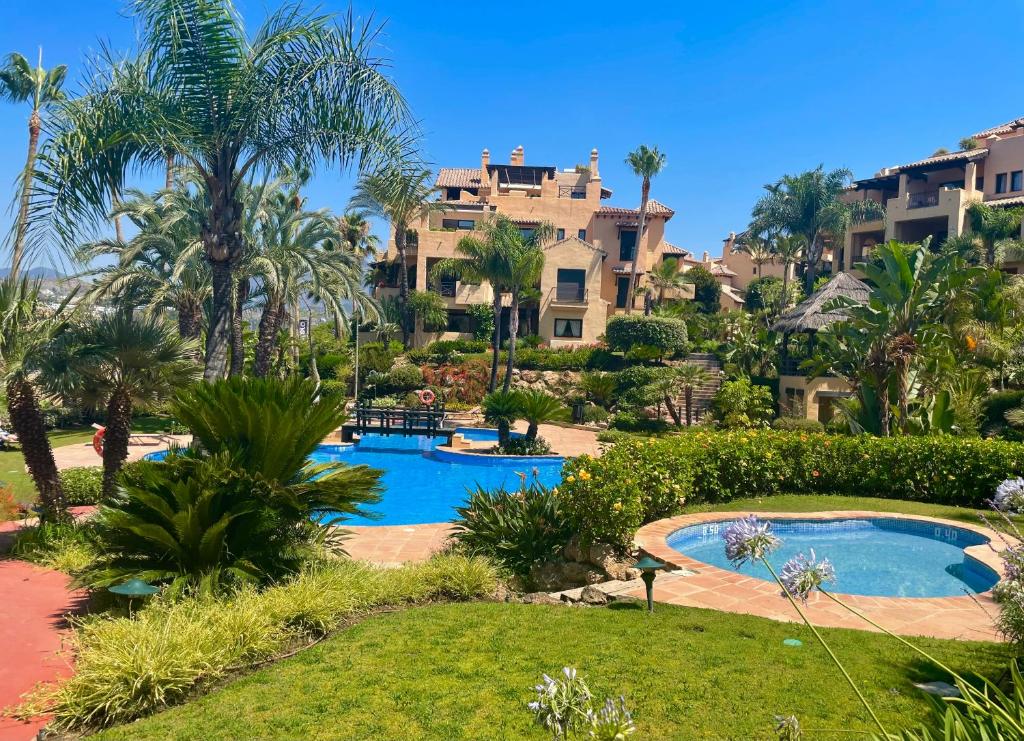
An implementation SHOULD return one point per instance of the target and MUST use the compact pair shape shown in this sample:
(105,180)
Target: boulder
(593,596)
(557,575)
(540,598)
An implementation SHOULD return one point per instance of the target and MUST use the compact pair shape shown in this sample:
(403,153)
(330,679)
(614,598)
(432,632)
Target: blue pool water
(423,485)
(880,557)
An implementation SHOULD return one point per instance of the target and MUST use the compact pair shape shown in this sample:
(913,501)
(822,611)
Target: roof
(671,249)
(1006,202)
(1001,128)
(966,155)
(810,315)
(458,177)
(654,208)
(718,268)
(577,240)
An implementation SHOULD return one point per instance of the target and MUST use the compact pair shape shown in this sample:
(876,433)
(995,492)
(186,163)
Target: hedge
(724,465)
(587,357)
(665,334)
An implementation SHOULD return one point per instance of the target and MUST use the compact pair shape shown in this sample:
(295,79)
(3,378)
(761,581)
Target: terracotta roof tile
(1006,202)
(964,156)
(654,208)
(458,177)
(582,242)
(1001,128)
(671,249)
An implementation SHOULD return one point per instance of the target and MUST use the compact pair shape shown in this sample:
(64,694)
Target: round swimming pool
(878,556)
(422,485)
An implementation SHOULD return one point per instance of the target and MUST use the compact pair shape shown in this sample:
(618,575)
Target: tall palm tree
(162,266)
(27,331)
(788,248)
(810,204)
(41,88)
(525,260)
(666,276)
(758,249)
(124,362)
(646,162)
(355,229)
(401,194)
(302,88)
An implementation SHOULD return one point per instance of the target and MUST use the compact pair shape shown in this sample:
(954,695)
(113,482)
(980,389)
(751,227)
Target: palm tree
(502,409)
(994,237)
(691,377)
(645,163)
(667,276)
(400,193)
(810,204)
(124,362)
(788,248)
(26,333)
(758,249)
(429,309)
(41,88)
(525,261)
(355,230)
(538,408)
(162,266)
(303,88)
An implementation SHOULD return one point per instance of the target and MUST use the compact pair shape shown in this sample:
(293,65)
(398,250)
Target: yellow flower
(554,490)
(584,476)
(617,506)
(972,344)
(570,478)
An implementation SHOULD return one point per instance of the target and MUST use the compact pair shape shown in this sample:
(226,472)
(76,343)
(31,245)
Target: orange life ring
(427,396)
(97,441)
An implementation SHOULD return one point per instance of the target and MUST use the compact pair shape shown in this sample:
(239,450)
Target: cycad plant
(537,408)
(243,504)
(502,409)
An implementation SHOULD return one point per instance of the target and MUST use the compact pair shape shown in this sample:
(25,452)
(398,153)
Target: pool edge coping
(653,540)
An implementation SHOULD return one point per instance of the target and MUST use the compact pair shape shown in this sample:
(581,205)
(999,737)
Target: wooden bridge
(425,420)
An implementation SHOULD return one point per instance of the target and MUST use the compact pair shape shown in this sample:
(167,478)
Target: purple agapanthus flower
(749,539)
(801,574)
(1010,496)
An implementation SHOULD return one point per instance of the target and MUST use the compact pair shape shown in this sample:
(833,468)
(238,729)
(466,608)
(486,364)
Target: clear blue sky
(736,94)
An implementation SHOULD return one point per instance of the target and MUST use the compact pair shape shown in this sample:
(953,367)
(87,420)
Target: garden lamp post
(648,568)
(133,589)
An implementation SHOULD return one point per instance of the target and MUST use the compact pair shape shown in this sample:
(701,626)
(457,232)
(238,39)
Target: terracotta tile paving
(967,617)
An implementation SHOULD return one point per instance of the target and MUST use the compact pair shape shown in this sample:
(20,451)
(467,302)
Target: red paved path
(33,603)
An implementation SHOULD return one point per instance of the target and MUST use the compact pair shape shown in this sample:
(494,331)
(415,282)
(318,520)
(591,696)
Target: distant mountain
(44,273)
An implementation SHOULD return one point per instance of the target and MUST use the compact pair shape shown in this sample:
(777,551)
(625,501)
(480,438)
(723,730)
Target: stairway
(703,396)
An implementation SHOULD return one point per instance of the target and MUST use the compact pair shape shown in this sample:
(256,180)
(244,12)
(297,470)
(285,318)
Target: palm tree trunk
(504,433)
(218,337)
(496,341)
(270,324)
(115,201)
(513,330)
(190,320)
(27,421)
(813,255)
(688,400)
(531,431)
(403,283)
(673,410)
(784,300)
(18,252)
(169,173)
(903,372)
(115,441)
(237,332)
(644,193)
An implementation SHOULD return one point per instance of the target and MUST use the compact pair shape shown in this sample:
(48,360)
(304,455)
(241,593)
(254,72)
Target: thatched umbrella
(810,315)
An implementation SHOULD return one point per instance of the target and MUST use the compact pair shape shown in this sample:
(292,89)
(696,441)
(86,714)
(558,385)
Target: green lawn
(465,671)
(12,463)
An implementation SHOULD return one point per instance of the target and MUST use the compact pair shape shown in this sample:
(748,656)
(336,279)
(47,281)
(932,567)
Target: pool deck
(697,584)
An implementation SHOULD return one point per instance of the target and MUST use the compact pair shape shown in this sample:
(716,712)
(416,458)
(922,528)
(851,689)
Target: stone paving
(83,454)
(703,585)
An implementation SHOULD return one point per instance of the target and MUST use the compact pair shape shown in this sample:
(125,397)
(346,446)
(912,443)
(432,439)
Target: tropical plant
(788,248)
(518,529)
(599,387)
(430,309)
(759,250)
(244,504)
(40,88)
(665,335)
(401,193)
(691,377)
(537,408)
(27,330)
(707,291)
(355,231)
(502,409)
(666,276)
(750,349)
(482,317)
(302,88)
(646,163)
(810,205)
(741,403)
(121,362)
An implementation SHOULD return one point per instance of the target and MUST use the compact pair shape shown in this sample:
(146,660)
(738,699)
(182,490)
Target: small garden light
(133,589)
(648,567)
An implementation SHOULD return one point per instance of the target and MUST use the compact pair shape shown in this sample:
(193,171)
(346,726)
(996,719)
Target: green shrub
(482,319)
(629,421)
(441,347)
(665,334)
(525,446)
(731,464)
(82,485)
(994,409)
(126,668)
(62,546)
(573,358)
(608,498)
(333,365)
(741,403)
(798,424)
(517,529)
(402,378)
(593,413)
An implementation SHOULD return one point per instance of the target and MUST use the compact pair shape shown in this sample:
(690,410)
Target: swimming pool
(876,556)
(421,485)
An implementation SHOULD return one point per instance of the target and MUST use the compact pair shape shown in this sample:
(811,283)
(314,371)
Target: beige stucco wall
(746,271)
(811,389)
(572,254)
(1004,156)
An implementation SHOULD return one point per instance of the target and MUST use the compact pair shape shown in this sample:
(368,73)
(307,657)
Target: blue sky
(736,94)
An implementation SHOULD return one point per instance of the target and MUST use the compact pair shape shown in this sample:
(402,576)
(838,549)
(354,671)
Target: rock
(557,575)
(620,570)
(502,593)
(597,554)
(593,596)
(540,598)
(573,552)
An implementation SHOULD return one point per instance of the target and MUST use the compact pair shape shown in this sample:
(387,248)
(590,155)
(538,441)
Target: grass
(12,463)
(467,671)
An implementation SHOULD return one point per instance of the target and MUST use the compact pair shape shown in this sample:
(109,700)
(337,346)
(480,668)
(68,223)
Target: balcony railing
(923,200)
(447,288)
(569,293)
(578,192)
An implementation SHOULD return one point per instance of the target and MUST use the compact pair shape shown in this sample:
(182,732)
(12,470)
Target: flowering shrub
(9,507)
(564,707)
(1010,496)
(465,382)
(610,497)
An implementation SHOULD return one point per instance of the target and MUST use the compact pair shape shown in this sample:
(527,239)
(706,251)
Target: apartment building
(587,266)
(930,197)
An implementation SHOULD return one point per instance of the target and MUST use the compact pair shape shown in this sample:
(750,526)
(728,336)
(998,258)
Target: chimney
(707,257)
(730,242)
(485,159)
(517,156)
(593,164)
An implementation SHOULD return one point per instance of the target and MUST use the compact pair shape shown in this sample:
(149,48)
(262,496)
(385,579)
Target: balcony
(447,288)
(576,192)
(923,200)
(568,293)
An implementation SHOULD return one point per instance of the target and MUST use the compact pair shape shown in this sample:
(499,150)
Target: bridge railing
(421,420)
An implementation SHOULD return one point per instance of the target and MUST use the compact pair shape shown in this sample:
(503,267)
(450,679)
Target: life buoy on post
(426,396)
(97,440)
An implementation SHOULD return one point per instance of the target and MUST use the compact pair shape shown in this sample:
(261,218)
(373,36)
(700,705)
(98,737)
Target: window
(621,292)
(570,284)
(1017,180)
(451,194)
(527,232)
(560,234)
(458,321)
(571,328)
(979,183)
(462,224)
(582,234)
(1001,182)
(627,244)
(578,194)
